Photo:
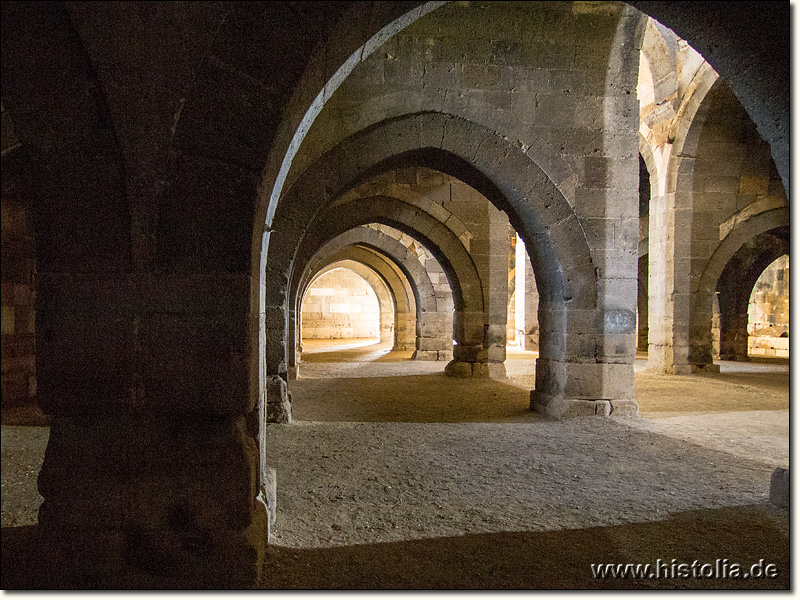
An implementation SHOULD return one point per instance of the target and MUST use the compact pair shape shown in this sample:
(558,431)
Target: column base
(432,355)
(568,408)
(494,370)
(656,365)
(689,369)
(152,559)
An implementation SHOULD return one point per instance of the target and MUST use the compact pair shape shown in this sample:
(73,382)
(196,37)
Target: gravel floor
(352,483)
(22,456)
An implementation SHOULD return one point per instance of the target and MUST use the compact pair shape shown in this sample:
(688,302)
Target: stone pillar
(434,337)
(18,295)
(498,292)
(275,316)
(733,336)
(434,340)
(151,474)
(405,331)
(596,375)
(480,349)
(531,307)
(294,342)
(387,324)
(579,386)
(511,329)
(642,303)
(474,354)
(679,333)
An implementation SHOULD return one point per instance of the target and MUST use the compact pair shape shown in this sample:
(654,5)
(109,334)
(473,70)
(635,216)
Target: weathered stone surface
(279,405)
(458,369)
(425,355)
(779,488)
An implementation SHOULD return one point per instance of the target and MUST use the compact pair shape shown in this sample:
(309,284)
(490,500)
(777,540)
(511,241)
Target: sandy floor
(397,476)
(743,410)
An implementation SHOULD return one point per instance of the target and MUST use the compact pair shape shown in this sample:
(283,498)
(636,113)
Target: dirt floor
(395,476)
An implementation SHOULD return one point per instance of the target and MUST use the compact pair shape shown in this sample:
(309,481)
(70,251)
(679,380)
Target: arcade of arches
(195,196)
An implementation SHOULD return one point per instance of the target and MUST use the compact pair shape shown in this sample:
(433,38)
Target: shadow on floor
(433,398)
(546,560)
(28,414)
(509,560)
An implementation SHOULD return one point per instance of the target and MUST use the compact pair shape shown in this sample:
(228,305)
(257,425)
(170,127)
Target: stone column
(434,329)
(434,337)
(642,304)
(496,292)
(480,349)
(733,336)
(511,329)
(596,375)
(151,474)
(531,307)
(405,331)
(679,335)
(293,345)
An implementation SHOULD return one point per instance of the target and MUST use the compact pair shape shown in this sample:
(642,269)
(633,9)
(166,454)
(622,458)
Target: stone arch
(405,315)
(373,187)
(465,283)
(435,236)
(689,124)
(731,177)
(661,60)
(554,237)
(735,285)
(757,72)
(670,242)
(708,281)
(150,294)
(384,294)
(646,154)
(429,330)
(432,320)
(747,230)
(395,253)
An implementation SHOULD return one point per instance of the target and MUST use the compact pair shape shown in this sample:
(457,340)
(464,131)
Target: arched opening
(768,312)
(748,252)
(340,304)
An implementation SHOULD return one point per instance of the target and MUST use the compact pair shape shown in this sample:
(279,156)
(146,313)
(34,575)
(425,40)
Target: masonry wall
(18,296)
(340,305)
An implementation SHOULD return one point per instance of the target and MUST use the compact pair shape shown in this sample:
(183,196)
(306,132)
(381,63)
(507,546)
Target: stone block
(279,407)
(445,355)
(458,369)
(497,370)
(779,489)
(425,355)
(269,494)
